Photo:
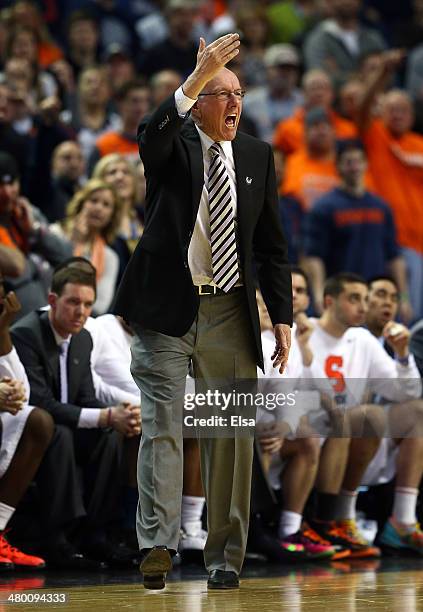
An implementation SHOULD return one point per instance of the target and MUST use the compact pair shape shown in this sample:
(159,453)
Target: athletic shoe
(192,538)
(17,557)
(263,541)
(314,545)
(401,539)
(5,564)
(347,531)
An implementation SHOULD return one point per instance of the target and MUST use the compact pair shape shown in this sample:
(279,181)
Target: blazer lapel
(243,173)
(73,369)
(52,352)
(195,155)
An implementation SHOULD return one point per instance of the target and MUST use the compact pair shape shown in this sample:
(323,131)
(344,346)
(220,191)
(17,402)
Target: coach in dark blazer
(39,338)
(183,314)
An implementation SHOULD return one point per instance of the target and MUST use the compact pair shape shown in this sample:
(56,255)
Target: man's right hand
(210,59)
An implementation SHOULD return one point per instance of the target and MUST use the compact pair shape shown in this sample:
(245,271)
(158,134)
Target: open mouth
(230,121)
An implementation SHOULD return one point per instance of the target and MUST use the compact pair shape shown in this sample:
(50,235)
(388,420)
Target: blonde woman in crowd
(129,183)
(91,225)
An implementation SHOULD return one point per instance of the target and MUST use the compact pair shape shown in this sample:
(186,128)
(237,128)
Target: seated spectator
(26,433)
(278,97)
(121,173)
(119,66)
(82,40)
(401,531)
(55,351)
(67,173)
(336,44)
(351,230)
(163,84)
(91,116)
(91,225)
(177,51)
(395,156)
(360,371)
(28,248)
(311,171)
(318,92)
(133,101)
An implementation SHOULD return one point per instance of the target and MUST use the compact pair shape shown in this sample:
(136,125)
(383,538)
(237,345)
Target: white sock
(289,523)
(345,505)
(192,509)
(405,502)
(5,515)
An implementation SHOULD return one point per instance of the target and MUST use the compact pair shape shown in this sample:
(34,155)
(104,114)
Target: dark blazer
(35,343)
(157,290)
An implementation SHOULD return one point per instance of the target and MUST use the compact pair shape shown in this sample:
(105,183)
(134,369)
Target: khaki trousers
(218,346)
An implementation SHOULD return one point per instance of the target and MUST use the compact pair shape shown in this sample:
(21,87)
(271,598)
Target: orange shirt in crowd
(307,179)
(114,142)
(48,53)
(5,238)
(399,184)
(288,136)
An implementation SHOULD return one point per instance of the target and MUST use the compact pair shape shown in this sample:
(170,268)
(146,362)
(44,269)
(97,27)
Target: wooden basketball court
(391,586)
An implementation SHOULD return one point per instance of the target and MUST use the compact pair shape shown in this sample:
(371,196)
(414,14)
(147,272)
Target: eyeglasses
(225,95)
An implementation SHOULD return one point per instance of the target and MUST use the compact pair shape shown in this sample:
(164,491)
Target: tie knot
(215,149)
(64,347)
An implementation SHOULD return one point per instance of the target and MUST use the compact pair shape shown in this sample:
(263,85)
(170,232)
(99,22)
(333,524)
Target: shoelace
(350,532)
(315,537)
(6,547)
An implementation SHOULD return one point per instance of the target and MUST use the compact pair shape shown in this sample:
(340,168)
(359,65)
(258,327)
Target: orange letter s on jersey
(333,365)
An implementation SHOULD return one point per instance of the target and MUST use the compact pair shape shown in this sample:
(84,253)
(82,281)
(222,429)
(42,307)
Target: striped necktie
(222,223)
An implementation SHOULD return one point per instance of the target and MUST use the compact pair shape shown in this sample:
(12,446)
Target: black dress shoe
(220,579)
(156,562)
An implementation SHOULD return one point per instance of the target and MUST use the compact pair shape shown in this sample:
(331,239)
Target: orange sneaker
(17,557)
(5,564)
(358,545)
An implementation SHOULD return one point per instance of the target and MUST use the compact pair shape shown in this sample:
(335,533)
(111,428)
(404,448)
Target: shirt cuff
(89,417)
(183,103)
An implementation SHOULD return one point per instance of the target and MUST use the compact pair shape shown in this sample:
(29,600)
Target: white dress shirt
(111,361)
(89,417)
(199,252)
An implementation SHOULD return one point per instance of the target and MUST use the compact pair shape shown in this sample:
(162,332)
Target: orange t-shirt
(400,185)
(48,53)
(114,142)
(5,238)
(307,179)
(288,136)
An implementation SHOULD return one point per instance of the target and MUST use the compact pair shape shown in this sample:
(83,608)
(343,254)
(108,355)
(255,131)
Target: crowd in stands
(336,87)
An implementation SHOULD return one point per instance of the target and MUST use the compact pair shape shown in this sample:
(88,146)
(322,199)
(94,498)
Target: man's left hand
(283,344)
